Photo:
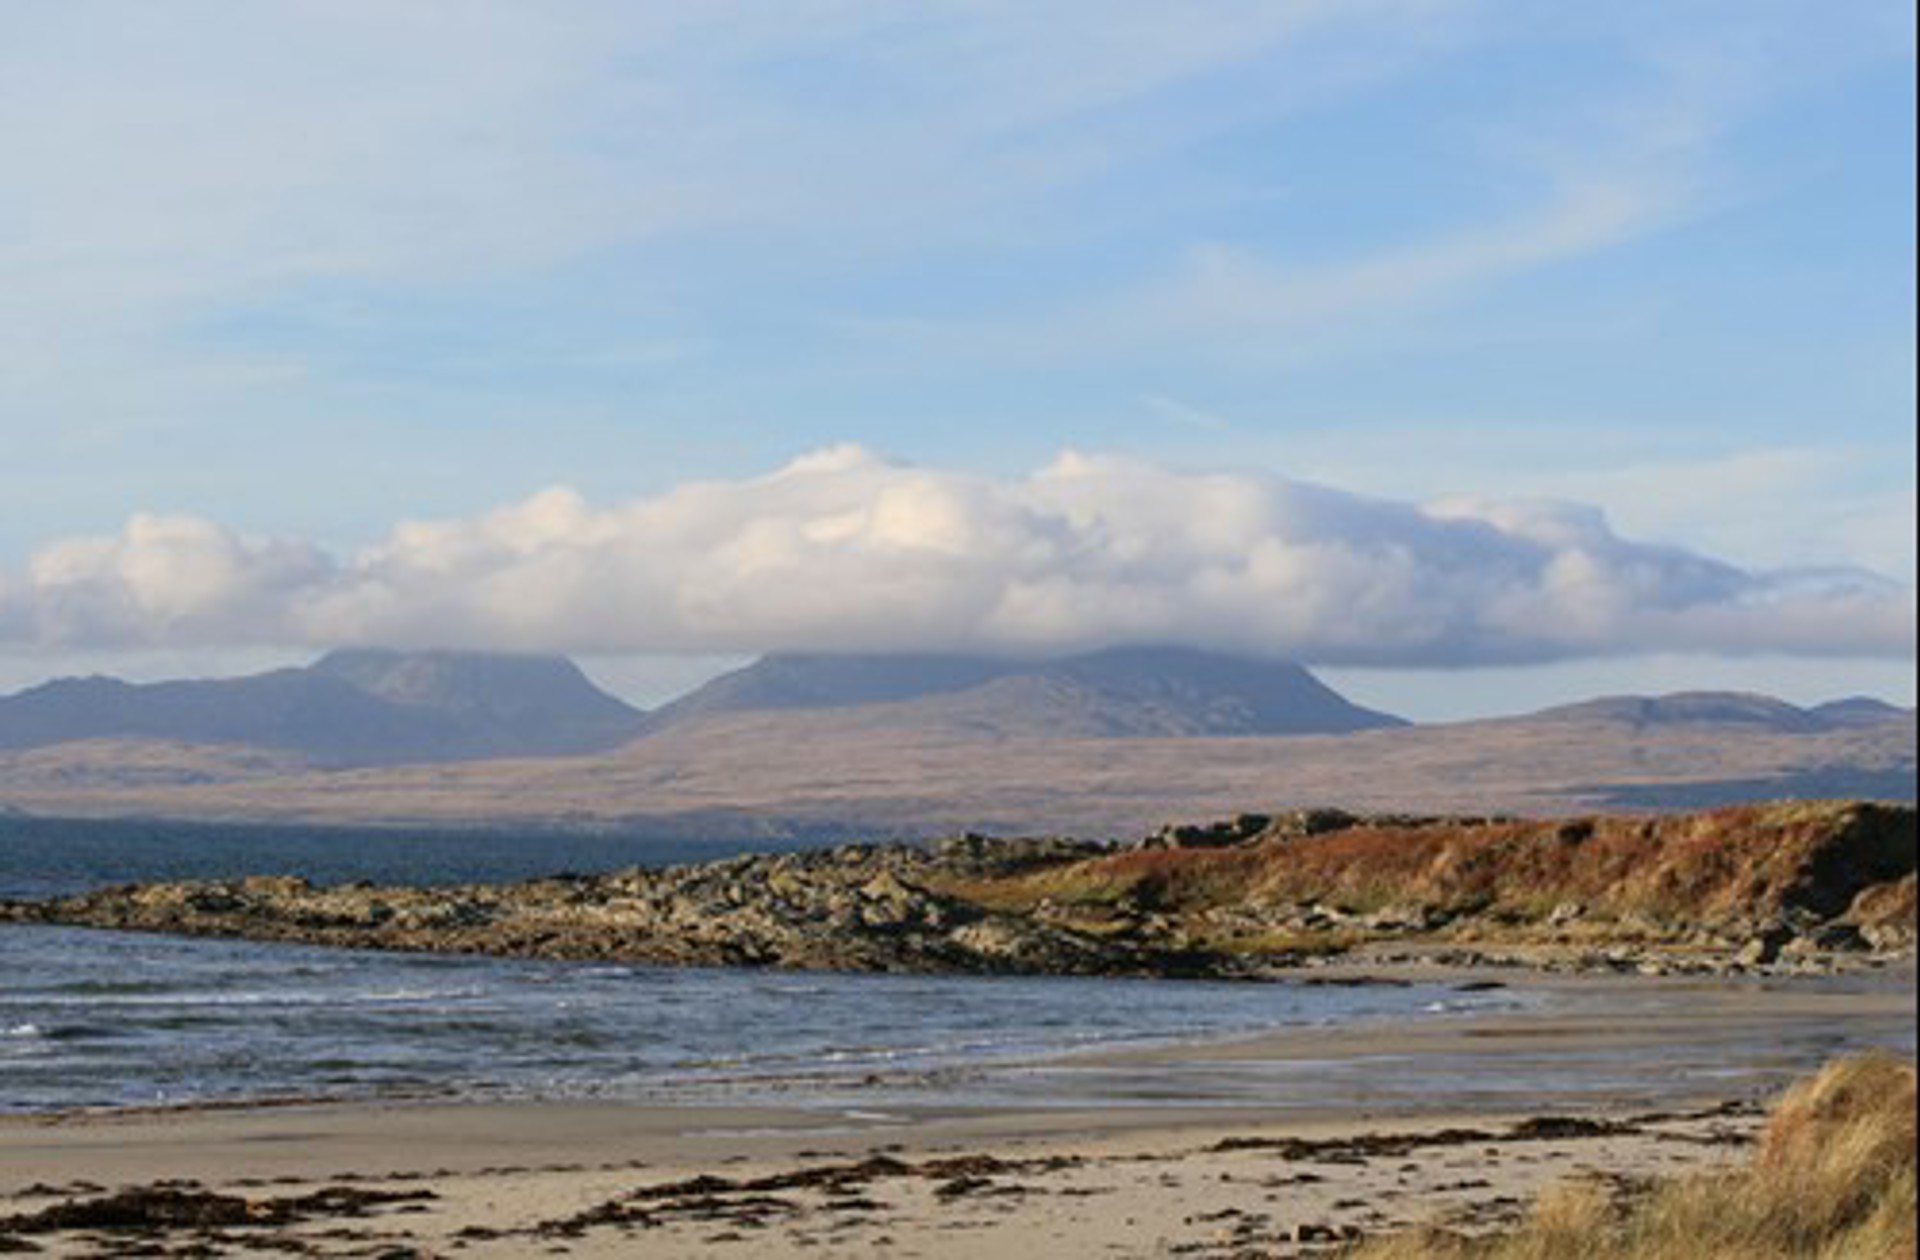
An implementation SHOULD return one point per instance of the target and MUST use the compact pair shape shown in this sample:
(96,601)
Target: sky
(1479,353)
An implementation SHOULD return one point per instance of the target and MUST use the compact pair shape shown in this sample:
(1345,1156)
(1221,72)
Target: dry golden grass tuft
(1833,1179)
(1887,905)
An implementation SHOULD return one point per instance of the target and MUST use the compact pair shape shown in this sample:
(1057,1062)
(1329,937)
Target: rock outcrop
(858,907)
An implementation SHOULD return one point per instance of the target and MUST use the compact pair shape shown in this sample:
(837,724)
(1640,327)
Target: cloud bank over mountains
(843,551)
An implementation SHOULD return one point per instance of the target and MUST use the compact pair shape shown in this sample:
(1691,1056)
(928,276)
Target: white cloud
(163,579)
(841,550)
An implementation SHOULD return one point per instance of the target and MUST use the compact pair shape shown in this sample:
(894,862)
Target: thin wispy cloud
(1173,411)
(188,159)
(1597,177)
(211,206)
(841,551)
(171,168)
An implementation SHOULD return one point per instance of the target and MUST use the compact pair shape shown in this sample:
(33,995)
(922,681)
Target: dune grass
(1832,1179)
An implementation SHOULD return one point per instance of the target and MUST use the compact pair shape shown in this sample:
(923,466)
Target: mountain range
(367,707)
(845,744)
(1116,693)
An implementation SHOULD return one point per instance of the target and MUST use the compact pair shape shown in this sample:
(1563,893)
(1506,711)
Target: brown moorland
(869,770)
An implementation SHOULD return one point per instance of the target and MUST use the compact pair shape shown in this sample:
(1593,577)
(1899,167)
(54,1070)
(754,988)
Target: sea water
(92,1018)
(109,1019)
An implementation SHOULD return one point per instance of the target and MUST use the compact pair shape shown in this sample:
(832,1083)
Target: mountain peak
(354,707)
(500,685)
(804,680)
(1138,690)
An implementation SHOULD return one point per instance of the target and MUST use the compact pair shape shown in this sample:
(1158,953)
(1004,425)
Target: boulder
(1764,946)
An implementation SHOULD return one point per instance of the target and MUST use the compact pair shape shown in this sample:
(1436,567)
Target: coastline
(1638,1036)
(1780,888)
(508,1177)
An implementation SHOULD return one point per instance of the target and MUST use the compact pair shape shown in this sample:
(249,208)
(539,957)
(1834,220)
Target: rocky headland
(1800,886)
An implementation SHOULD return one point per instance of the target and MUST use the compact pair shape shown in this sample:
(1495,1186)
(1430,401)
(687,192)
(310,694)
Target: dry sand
(1329,1154)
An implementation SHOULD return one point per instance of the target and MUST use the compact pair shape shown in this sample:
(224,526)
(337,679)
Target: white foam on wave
(417,995)
(22,1031)
(263,997)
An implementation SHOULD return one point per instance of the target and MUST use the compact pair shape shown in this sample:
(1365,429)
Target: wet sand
(1460,1119)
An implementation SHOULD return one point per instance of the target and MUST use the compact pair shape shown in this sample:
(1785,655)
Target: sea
(97,1019)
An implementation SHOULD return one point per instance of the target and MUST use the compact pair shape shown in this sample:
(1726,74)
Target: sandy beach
(1462,1120)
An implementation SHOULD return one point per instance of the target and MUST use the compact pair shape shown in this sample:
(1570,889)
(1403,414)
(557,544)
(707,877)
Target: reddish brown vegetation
(1742,862)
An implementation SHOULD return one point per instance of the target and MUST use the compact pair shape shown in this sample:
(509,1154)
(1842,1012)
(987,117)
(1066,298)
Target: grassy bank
(1711,878)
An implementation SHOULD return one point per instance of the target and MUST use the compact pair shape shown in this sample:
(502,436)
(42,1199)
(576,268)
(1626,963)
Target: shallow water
(91,1018)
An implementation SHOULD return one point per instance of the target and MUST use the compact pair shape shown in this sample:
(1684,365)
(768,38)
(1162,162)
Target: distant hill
(1859,711)
(349,708)
(1160,692)
(1727,708)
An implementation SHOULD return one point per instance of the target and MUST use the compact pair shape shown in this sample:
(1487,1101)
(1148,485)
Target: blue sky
(299,273)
